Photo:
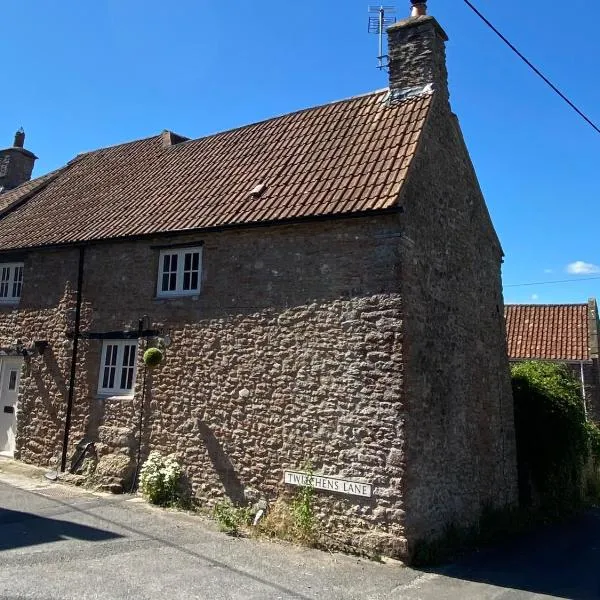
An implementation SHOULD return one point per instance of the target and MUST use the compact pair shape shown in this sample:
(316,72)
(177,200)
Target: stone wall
(46,312)
(459,434)
(290,354)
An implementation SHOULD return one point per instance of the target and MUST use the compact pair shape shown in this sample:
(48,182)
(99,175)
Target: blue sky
(82,75)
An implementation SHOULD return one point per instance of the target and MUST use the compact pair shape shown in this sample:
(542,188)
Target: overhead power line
(533,67)
(549,282)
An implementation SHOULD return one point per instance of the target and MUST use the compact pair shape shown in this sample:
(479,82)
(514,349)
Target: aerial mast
(379,21)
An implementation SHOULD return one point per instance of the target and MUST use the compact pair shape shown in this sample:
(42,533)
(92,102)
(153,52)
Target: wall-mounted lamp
(19,348)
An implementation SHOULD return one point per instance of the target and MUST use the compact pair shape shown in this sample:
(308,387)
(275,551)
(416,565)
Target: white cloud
(534,297)
(548,270)
(582,268)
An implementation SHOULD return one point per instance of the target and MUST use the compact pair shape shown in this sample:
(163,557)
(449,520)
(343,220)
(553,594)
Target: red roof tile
(547,331)
(344,157)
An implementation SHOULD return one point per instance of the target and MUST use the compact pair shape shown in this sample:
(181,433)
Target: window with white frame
(179,272)
(11,281)
(118,367)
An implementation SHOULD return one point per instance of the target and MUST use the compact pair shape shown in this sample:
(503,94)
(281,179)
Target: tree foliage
(553,439)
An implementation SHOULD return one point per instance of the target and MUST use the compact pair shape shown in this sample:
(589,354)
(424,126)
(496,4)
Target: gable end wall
(460,447)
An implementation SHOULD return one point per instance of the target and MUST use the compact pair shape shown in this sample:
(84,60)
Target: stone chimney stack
(417,53)
(16,163)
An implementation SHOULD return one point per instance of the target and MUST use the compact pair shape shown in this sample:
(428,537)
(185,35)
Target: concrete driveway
(61,543)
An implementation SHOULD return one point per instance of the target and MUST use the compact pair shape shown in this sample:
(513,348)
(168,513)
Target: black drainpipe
(63,462)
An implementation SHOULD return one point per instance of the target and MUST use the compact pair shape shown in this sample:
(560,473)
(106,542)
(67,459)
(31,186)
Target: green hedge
(554,442)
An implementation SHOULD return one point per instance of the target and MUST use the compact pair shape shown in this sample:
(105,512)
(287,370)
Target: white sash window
(179,272)
(11,282)
(118,368)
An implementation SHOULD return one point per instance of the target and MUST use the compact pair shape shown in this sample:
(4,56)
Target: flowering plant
(159,478)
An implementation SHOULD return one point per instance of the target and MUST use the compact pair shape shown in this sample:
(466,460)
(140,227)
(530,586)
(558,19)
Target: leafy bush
(159,479)
(594,441)
(553,439)
(231,518)
(593,467)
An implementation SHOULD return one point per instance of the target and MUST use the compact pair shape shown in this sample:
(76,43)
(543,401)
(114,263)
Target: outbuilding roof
(351,156)
(548,331)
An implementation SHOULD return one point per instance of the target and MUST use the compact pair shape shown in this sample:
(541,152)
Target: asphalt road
(61,543)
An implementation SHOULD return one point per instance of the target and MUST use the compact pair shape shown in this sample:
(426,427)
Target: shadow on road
(561,560)
(19,529)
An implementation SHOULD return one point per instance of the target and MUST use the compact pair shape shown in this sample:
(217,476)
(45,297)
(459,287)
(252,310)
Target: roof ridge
(546,304)
(112,146)
(232,129)
(281,116)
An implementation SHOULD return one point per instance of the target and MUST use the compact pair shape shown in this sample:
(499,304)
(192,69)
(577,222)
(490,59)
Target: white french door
(10,373)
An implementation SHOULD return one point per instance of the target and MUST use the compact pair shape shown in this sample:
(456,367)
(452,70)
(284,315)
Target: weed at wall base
(303,511)
(294,520)
(231,519)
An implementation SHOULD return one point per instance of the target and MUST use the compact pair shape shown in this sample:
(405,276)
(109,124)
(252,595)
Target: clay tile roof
(348,156)
(12,197)
(547,331)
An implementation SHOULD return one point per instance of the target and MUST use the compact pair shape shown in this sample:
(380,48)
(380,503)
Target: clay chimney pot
(19,139)
(419,8)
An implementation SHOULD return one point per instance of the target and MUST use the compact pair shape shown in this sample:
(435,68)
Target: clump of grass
(293,520)
(279,521)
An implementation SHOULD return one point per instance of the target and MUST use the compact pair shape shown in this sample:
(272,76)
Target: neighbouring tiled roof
(348,156)
(547,331)
(16,195)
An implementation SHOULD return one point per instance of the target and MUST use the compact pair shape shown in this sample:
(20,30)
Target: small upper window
(179,272)
(11,281)
(118,367)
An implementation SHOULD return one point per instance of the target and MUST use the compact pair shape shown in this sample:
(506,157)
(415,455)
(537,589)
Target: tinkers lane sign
(329,484)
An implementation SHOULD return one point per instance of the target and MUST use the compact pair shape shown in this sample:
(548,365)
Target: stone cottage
(562,333)
(325,284)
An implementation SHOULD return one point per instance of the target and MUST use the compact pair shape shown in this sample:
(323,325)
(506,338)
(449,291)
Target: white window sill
(10,302)
(194,296)
(115,396)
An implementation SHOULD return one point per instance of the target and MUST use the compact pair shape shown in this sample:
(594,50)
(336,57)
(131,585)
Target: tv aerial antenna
(379,21)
